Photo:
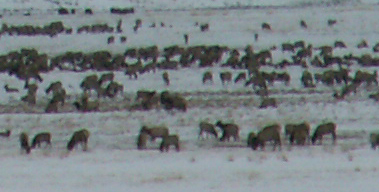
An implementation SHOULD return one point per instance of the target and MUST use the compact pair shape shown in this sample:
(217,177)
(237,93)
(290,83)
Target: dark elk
(24,142)
(79,137)
(44,137)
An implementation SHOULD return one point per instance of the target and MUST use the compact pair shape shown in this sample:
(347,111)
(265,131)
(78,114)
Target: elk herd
(28,65)
(78,137)
(297,134)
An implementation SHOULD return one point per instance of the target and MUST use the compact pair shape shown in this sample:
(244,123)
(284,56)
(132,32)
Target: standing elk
(229,130)
(225,77)
(24,142)
(79,137)
(323,129)
(207,128)
(169,140)
(155,132)
(207,76)
(266,26)
(40,138)
(268,133)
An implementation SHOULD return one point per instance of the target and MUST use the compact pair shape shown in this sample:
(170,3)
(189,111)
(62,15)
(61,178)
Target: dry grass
(164,178)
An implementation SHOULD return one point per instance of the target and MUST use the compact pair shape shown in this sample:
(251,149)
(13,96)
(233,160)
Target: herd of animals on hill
(28,63)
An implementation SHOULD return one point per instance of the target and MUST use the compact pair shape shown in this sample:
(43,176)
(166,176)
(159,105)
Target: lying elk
(7,133)
(155,132)
(24,142)
(143,94)
(80,136)
(374,140)
(40,138)
(169,140)
(323,129)
(171,101)
(207,128)
(229,130)
(268,133)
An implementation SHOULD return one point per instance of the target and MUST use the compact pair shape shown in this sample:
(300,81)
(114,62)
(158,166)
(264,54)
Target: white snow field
(113,163)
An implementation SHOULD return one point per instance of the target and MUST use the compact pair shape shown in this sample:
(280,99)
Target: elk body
(40,138)
(79,137)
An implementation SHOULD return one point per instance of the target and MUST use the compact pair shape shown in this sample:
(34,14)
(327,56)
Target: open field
(113,162)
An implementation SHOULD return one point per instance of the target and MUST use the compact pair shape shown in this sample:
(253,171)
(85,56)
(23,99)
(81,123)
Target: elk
(40,138)
(79,137)
(229,130)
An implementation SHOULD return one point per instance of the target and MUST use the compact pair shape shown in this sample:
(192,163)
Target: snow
(113,163)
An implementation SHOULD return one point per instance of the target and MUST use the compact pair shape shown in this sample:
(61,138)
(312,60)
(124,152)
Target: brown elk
(24,142)
(169,140)
(40,138)
(229,130)
(79,137)
(323,129)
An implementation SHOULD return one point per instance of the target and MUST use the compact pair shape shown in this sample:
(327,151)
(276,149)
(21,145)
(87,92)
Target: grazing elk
(240,77)
(40,138)
(155,132)
(298,132)
(169,140)
(207,128)
(362,44)
(266,26)
(268,133)
(225,77)
(323,129)
(90,83)
(229,130)
(123,39)
(24,142)
(79,137)
(105,78)
(331,22)
(207,76)
(87,106)
(54,87)
(110,40)
(204,27)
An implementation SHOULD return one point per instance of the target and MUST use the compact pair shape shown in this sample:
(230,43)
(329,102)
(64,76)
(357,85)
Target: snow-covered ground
(113,163)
